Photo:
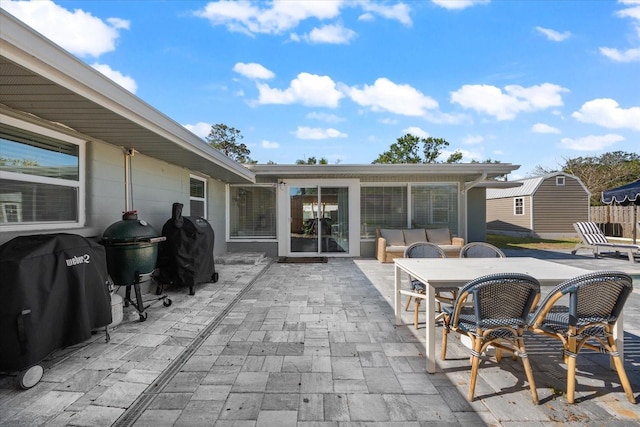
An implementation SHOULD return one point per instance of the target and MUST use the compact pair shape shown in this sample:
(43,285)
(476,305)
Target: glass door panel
(304,213)
(334,219)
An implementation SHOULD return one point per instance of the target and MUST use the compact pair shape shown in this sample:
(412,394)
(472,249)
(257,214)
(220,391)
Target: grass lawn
(510,242)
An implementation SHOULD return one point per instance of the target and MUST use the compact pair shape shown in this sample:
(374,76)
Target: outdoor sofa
(391,243)
(594,239)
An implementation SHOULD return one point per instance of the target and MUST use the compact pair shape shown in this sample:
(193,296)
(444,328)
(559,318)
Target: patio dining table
(448,272)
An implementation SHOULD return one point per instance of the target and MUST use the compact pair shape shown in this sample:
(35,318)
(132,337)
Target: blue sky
(524,82)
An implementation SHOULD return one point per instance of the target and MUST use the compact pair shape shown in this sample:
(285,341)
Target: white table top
(457,271)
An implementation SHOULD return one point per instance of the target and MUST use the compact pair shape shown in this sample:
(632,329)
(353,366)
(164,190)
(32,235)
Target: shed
(545,206)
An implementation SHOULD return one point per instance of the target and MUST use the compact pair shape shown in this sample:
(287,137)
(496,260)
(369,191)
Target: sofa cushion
(393,237)
(439,236)
(414,235)
(396,248)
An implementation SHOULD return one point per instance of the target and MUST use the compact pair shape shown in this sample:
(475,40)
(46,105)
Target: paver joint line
(129,417)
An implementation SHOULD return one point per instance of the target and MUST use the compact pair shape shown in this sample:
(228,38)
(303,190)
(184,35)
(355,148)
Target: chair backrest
(480,250)
(424,250)
(505,296)
(590,232)
(593,297)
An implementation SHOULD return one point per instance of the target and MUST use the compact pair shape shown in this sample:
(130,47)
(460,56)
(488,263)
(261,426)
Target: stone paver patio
(310,345)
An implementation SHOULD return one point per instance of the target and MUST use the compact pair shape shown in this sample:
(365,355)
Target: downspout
(128,186)
(467,186)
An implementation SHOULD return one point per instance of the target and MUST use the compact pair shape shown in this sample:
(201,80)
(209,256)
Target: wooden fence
(615,220)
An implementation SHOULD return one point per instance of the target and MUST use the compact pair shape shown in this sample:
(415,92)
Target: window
(560,180)
(252,212)
(382,207)
(41,177)
(518,206)
(198,196)
(434,206)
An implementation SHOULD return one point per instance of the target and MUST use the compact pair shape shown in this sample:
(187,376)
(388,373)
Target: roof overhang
(42,80)
(467,171)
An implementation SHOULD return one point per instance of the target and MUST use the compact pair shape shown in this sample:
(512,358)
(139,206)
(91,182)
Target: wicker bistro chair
(595,302)
(497,317)
(443,295)
(480,250)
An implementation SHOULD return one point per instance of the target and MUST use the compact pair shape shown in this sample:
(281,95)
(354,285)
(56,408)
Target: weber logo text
(82,259)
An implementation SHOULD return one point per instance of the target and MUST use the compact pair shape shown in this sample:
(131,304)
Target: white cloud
(472,139)
(414,130)
(201,129)
(278,17)
(126,82)
(398,12)
(591,142)
(253,71)
(458,4)
(78,32)
(386,95)
(388,121)
(506,105)
(544,128)
(607,113)
(629,55)
(554,35)
(325,117)
(304,132)
(270,145)
(306,89)
(329,34)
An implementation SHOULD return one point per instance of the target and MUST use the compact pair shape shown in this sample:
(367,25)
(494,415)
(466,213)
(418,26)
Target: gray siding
(476,215)
(500,216)
(557,207)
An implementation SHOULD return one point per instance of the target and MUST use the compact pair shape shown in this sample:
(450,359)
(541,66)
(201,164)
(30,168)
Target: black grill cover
(186,257)
(53,292)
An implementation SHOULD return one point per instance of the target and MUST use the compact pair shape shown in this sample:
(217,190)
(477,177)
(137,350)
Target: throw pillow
(394,237)
(439,236)
(414,235)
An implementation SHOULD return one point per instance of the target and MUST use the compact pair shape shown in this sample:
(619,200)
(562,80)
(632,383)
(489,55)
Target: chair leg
(622,374)
(475,364)
(527,370)
(406,307)
(570,358)
(416,308)
(443,349)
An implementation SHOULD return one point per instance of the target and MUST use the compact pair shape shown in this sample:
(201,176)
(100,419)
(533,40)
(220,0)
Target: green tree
(312,161)
(455,157)
(226,139)
(406,149)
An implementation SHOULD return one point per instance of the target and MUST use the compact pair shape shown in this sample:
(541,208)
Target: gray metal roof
(41,79)
(528,187)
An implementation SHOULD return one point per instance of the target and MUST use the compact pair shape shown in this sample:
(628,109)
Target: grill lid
(129,230)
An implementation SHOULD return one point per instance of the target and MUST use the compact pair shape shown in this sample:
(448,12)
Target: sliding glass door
(319,220)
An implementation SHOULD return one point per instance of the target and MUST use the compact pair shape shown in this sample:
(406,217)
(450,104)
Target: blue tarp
(625,195)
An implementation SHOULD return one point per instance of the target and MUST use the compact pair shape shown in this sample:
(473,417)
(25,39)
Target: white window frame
(198,199)
(79,184)
(560,181)
(516,206)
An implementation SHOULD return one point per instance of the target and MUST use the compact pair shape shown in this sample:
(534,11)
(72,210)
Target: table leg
(430,329)
(396,295)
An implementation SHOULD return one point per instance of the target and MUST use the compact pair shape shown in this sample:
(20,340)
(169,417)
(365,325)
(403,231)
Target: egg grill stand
(139,303)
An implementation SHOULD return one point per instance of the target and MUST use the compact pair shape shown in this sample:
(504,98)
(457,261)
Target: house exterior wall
(557,207)
(501,219)
(476,215)
(156,185)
